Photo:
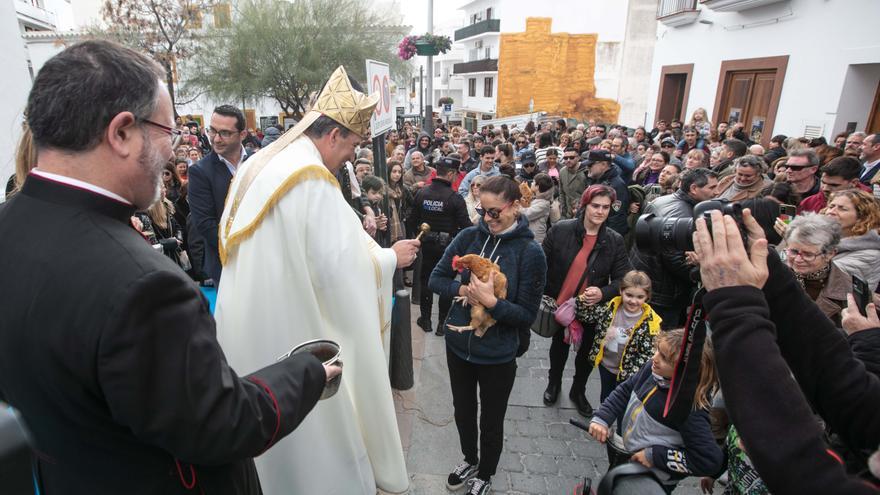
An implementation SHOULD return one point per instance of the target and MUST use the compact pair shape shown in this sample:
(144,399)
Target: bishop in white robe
(298,266)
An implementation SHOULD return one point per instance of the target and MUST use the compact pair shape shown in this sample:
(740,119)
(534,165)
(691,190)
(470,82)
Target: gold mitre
(342,103)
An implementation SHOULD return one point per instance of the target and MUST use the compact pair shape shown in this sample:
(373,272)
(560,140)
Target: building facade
(793,67)
(618,48)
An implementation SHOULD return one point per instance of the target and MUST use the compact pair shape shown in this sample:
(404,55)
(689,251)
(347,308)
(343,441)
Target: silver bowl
(328,352)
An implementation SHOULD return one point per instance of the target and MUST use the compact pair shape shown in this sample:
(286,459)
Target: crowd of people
(543,218)
(623,300)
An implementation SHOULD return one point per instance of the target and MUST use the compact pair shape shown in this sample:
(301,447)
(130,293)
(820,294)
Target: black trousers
(582,365)
(495,382)
(431,254)
(673,316)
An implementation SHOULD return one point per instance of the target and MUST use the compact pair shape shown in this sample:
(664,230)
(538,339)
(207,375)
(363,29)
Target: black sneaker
(476,486)
(424,323)
(460,475)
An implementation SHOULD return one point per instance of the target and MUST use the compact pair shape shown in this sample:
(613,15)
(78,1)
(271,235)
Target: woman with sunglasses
(482,369)
(586,257)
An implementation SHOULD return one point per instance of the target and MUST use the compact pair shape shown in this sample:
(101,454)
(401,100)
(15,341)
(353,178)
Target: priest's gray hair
(814,229)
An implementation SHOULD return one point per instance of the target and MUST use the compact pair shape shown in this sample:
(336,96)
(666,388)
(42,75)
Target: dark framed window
(487,86)
(472,86)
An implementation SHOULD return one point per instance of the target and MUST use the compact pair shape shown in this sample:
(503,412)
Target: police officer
(444,210)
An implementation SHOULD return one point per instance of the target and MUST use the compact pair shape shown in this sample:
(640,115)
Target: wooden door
(672,97)
(747,99)
(759,105)
(873,126)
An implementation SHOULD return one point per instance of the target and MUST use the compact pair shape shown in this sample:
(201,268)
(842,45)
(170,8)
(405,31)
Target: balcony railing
(671,7)
(485,65)
(487,26)
(676,13)
(736,5)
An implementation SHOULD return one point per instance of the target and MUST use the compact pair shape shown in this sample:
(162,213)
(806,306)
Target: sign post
(382,121)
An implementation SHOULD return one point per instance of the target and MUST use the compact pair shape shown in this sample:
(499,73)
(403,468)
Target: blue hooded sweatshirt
(522,262)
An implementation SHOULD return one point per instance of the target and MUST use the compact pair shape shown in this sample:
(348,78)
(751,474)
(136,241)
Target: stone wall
(556,70)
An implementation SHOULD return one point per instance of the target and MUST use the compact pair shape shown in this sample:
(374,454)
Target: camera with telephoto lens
(654,233)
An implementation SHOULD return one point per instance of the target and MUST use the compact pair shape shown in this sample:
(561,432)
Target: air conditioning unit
(478,44)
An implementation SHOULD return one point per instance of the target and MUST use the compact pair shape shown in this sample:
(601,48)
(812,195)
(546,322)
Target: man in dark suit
(107,349)
(209,180)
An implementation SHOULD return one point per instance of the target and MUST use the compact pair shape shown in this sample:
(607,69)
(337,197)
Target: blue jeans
(609,382)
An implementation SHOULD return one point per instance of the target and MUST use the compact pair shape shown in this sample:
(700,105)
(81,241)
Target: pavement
(542,453)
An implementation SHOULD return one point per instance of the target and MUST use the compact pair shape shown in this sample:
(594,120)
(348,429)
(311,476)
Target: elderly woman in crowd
(811,242)
(858,214)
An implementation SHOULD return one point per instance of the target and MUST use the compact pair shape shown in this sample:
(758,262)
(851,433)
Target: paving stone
(590,449)
(552,446)
(571,466)
(548,414)
(519,444)
(531,429)
(500,482)
(517,412)
(562,485)
(523,372)
(562,431)
(510,462)
(527,483)
(540,464)
(531,362)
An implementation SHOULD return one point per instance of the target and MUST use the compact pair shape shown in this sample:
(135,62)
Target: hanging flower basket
(424,45)
(446,100)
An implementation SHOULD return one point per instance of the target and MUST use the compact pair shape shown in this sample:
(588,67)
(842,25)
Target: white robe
(303,268)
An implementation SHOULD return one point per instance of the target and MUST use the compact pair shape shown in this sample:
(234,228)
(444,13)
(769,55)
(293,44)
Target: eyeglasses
(796,168)
(528,165)
(222,133)
(808,257)
(494,213)
(168,130)
(569,158)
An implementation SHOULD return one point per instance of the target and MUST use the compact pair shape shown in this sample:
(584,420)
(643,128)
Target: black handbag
(545,324)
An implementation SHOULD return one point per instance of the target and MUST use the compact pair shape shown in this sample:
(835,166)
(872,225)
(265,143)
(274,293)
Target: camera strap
(686,375)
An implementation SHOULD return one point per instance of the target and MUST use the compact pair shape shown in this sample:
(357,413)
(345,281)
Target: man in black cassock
(107,349)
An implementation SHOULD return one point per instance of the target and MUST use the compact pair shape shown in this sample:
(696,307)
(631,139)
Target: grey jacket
(858,257)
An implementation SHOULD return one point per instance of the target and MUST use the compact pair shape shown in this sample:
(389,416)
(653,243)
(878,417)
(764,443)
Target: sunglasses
(494,213)
(569,158)
(796,168)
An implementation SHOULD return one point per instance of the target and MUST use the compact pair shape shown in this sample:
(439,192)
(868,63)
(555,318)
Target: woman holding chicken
(484,362)
(587,259)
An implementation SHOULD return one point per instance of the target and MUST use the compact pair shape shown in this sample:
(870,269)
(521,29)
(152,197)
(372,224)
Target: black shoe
(424,323)
(460,475)
(441,327)
(551,394)
(582,404)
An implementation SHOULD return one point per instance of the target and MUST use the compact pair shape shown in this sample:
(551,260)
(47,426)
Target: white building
(623,52)
(793,67)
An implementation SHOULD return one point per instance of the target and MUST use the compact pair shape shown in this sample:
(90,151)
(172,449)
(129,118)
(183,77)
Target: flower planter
(426,48)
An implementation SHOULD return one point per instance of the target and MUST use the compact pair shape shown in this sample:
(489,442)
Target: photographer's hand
(852,320)
(724,261)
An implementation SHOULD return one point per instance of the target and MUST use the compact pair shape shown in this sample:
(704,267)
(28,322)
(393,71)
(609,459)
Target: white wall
(822,39)
(859,89)
(14,86)
(637,55)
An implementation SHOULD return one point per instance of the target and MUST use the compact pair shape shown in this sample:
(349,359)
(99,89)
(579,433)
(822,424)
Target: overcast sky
(415,12)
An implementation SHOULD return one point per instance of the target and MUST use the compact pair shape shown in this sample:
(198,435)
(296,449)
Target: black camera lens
(654,233)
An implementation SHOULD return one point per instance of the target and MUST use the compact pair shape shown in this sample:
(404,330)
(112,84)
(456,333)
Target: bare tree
(167,30)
